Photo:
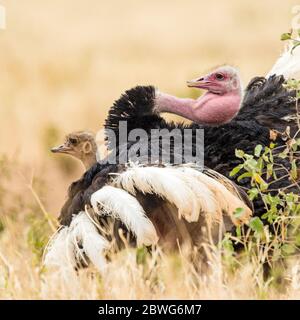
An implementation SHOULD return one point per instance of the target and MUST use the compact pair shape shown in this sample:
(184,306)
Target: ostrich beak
(200,83)
(61,149)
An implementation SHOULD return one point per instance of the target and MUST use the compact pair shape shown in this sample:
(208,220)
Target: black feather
(269,103)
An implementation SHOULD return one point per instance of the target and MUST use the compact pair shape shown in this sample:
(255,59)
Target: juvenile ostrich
(80,145)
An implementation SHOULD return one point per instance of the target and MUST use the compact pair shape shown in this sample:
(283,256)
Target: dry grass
(62,65)
(160,277)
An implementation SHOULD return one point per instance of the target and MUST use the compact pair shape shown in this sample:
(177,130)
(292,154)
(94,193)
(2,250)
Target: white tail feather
(63,251)
(190,190)
(120,204)
(60,251)
(225,195)
(83,231)
(288,63)
(167,183)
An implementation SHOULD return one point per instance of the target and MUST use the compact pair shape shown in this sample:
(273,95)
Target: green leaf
(257,150)
(227,244)
(253,193)
(271,157)
(295,46)
(284,153)
(269,170)
(294,172)
(251,164)
(263,186)
(244,175)
(239,153)
(238,212)
(260,164)
(286,36)
(257,178)
(236,170)
(265,158)
(256,225)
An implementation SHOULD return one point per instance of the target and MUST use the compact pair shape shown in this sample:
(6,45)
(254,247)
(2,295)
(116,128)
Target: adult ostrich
(230,117)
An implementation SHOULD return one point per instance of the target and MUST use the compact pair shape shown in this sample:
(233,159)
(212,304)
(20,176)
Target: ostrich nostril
(200,79)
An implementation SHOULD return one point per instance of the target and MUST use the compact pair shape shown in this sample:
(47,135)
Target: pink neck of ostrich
(209,109)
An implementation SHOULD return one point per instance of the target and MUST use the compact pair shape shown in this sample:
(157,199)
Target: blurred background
(64,62)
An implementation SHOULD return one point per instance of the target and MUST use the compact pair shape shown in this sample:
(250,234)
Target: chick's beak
(61,149)
(201,83)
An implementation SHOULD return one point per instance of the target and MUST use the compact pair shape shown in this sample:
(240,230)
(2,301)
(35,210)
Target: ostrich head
(81,145)
(219,105)
(223,80)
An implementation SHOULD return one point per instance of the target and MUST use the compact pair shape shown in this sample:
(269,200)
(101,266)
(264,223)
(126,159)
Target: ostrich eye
(219,76)
(73,141)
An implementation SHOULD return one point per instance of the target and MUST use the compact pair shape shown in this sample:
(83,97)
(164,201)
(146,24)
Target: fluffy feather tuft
(59,253)
(288,64)
(225,194)
(191,191)
(84,232)
(165,182)
(121,205)
(72,245)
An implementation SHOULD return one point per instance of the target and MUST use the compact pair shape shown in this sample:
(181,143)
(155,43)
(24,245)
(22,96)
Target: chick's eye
(219,76)
(73,141)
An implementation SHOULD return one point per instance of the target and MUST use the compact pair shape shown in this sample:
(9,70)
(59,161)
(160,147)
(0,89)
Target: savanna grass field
(62,64)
